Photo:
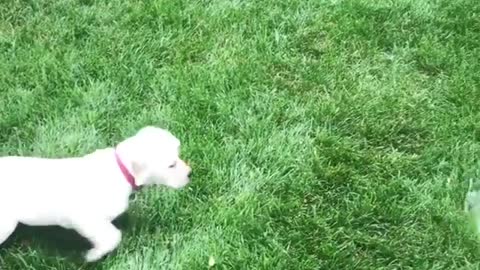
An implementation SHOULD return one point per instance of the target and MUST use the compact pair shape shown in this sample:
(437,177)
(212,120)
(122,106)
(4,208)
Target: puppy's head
(154,155)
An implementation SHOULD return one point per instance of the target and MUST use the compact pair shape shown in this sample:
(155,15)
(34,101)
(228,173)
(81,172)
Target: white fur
(86,193)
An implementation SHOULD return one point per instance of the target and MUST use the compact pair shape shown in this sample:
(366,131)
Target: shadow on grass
(55,242)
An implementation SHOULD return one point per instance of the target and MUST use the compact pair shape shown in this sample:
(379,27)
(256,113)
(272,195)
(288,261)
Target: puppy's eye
(173,165)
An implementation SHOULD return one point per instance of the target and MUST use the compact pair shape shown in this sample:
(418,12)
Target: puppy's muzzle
(189,174)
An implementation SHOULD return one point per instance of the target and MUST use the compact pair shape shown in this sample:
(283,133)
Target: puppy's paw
(94,255)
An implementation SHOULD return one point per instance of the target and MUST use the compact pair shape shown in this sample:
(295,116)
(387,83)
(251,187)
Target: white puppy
(87,193)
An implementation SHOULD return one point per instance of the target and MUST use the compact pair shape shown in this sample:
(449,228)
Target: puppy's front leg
(102,234)
(7,226)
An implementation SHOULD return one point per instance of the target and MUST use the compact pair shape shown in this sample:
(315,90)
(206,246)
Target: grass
(324,134)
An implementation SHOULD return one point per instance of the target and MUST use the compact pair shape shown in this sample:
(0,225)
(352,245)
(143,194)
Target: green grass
(324,134)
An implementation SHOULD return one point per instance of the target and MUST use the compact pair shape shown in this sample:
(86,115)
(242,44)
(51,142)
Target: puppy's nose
(190,173)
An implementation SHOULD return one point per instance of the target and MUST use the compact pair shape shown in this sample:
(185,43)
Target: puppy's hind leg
(7,226)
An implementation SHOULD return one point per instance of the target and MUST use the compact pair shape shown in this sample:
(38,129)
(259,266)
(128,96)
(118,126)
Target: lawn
(323,134)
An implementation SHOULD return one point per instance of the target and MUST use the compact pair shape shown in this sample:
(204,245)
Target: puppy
(87,193)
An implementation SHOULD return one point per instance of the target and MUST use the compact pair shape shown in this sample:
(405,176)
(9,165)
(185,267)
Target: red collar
(128,176)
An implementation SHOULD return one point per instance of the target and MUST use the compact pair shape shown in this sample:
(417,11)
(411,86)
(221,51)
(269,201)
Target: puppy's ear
(139,173)
(136,167)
